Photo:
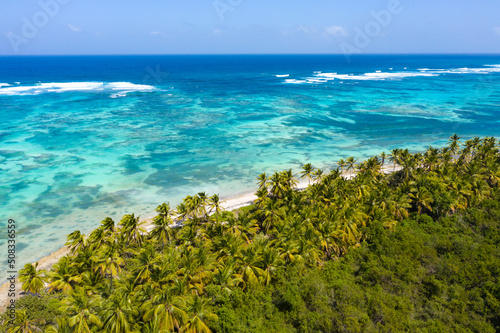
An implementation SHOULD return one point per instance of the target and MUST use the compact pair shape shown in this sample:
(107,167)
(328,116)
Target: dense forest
(413,250)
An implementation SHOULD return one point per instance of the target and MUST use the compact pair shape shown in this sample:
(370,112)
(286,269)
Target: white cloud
(497,30)
(299,31)
(307,30)
(336,30)
(73,28)
(217,32)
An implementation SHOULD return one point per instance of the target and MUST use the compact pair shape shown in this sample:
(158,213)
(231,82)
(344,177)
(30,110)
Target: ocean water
(83,138)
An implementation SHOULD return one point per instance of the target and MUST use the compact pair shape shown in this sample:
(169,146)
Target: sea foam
(379,75)
(319,77)
(60,87)
(295,81)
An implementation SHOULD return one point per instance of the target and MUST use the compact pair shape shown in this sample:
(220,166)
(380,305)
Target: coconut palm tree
(132,230)
(24,325)
(289,251)
(371,166)
(349,222)
(394,157)
(307,171)
(351,164)
(80,307)
(118,315)
(64,276)
(272,213)
(162,231)
(226,278)
(62,326)
(262,196)
(248,261)
(108,224)
(289,179)
(431,158)
(341,164)
(383,156)
(198,314)
(480,190)
(454,144)
(422,198)
(166,309)
(278,186)
(76,241)
(215,204)
(329,238)
(33,280)
(202,203)
(262,178)
(408,163)
(98,238)
(318,175)
(270,261)
(492,173)
(109,264)
(401,206)
(146,262)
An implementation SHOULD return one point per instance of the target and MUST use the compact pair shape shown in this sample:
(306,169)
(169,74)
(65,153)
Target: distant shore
(229,204)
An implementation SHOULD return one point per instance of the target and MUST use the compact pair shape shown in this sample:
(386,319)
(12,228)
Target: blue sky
(248,26)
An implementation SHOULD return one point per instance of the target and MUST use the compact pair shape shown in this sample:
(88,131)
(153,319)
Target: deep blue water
(82,138)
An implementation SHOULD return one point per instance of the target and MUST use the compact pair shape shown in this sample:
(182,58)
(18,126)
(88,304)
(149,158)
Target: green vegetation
(416,250)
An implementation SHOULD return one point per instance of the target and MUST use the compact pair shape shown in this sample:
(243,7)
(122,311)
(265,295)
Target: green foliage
(40,310)
(32,279)
(415,250)
(45,306)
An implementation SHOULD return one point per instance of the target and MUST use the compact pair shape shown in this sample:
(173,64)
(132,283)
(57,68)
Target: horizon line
(241,54)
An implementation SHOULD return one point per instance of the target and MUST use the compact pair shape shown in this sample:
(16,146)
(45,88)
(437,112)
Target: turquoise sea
(83,138)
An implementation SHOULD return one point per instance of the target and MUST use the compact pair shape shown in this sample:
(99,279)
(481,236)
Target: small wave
(283,75)
(319,77)
(317,80)
(465,70)
(371,76)
(118,95)
(60,87)
(4,85)
(129,86)
(295,81)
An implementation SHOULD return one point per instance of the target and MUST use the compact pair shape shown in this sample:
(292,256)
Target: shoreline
(229,204)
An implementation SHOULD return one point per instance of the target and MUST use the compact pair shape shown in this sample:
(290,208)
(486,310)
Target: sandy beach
(228,204)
